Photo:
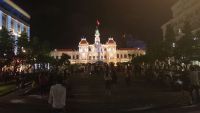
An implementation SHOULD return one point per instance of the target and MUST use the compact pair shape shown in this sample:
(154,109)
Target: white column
(28,33)
(16,44)
(22,27)
(15,27)
(9,22)
(1,22)
(16,36)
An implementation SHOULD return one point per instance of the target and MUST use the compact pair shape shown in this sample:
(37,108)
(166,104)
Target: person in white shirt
(57,96)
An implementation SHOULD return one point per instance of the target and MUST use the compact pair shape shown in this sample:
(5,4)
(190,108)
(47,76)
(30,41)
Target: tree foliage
(64,60)
(185,46)
(6,47)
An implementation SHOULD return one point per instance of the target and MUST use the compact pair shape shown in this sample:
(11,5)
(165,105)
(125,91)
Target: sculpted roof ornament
(111,41)
(83,42)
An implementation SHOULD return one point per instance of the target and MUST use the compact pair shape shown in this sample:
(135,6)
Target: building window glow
(195,38)
(107,53)
(77,57)
(179,30)
(80,50)
(125,56)
(173,44)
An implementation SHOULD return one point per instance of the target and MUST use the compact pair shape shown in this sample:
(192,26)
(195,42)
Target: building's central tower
(97,37)
(97,43)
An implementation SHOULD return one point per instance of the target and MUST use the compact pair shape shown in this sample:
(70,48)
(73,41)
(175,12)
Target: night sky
(64,22)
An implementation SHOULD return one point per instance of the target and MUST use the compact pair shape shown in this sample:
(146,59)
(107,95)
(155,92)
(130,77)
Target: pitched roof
(83,42)
(111,41)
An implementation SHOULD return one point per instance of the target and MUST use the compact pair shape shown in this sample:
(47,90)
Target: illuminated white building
(91,53)
(14,19)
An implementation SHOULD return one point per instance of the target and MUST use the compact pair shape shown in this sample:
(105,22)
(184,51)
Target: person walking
(128,76)
(67,83)
(194,80)
(57,96)
(43,81)
(113,75)
(108,81)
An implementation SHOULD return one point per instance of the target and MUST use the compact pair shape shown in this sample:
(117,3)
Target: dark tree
(170,35)
(6,47)
(170,38)
(64,60)
(23,46)
(186,43)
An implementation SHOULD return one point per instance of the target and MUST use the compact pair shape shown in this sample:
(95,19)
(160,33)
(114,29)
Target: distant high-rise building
(14,19)
(184,11)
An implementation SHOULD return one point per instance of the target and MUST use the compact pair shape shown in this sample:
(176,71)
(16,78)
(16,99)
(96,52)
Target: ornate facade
(91,53)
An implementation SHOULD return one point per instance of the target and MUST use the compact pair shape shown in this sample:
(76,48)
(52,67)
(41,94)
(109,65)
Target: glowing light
(1,23)
(80,50)
(83,55)
(195,38)
(173,44)
(179,30)
(23,50)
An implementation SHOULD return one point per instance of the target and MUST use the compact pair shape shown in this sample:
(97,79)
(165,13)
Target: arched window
(125,55)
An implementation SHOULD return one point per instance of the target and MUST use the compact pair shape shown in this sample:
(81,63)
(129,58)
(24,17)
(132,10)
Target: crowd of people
(19,78)
(176,76)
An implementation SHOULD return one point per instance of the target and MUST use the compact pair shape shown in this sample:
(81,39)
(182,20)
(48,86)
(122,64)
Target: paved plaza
(88,96)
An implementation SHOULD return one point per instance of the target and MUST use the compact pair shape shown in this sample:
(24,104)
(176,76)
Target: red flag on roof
(98,23)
